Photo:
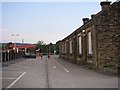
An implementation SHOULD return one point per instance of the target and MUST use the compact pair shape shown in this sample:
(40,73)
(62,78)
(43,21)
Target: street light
(54,50)
(84,34)
(15,35)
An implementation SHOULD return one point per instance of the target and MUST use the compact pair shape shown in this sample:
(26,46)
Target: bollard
(3,56)
(13,54)
(16,55)
(6,56)
(10,56)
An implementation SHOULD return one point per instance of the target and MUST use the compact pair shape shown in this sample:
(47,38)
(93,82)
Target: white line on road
(27,67)
(21,66)
(61,66)
(54,67)
(18,65)
(15,81)
(66,70)
(40,62)
(7,78)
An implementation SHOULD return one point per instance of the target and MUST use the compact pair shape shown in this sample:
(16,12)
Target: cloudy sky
(47,21)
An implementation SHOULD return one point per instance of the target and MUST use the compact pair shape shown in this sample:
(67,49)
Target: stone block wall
(108,36)
(105,35)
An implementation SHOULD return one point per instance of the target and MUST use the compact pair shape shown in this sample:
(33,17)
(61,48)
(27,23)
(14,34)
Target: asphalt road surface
(52,73)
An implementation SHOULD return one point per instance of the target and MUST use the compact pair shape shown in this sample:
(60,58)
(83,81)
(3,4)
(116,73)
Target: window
(62,48)
(80,45)
(89,43)
(65,48)
(70,46)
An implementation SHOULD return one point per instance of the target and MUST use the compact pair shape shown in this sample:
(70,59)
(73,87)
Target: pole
(15,35)
(22,40)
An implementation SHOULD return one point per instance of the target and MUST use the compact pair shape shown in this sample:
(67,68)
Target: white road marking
(66,70)
(8,78)
(54,67)
(15,81)
(18,65)
(61,66)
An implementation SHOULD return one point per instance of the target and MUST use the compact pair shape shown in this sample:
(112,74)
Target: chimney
(105,4)
(85,20)
(93,15)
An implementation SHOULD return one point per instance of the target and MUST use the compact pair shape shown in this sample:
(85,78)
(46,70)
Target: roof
(22,45)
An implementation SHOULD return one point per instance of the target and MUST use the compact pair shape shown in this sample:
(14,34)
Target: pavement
(53,73)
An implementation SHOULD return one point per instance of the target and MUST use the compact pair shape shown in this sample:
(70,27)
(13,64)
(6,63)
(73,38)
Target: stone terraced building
(97,42)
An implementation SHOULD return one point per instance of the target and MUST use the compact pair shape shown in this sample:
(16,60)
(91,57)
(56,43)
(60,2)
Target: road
(52,73)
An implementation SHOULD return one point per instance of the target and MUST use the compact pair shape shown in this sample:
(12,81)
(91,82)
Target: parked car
(30,55)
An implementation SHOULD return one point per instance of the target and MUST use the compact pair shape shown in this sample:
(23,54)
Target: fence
(11,55)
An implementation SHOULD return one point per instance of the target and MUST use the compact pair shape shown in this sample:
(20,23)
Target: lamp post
(15,35)
(14,47)
(8,55)
(54,50)
(84,34)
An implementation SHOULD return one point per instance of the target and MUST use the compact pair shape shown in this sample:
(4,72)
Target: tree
(52,48)
(40,42)
(42,46)
(57,46)
(49,48)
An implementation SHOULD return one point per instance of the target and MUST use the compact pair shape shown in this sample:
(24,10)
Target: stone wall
(108,36)
(105,34)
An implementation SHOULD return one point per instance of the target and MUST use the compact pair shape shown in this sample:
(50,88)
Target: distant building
(22,46)
(97,42)
(12,51)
